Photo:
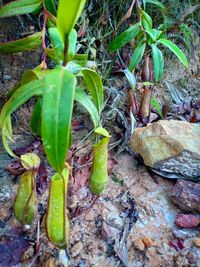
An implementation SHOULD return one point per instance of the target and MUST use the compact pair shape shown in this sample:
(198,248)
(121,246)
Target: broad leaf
(57,107)
(20,7)
(22,45)
(147,22)
(95,87)
(124,37)
(176,50)
(57,44)
(158,62)
(18,98)
(86,102)
(137,55)
(68,14)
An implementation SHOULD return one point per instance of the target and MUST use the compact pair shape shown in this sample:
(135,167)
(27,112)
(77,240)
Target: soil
(130,224)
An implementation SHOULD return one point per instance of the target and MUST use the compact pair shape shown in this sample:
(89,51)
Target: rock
(196,242)
(170,148)
(76,249)
(187,221)
(147,241)
(184,234)
(139,244)
(186,195)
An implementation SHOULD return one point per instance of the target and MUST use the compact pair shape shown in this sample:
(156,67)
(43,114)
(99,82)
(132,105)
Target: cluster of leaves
(147,37)
(56,90)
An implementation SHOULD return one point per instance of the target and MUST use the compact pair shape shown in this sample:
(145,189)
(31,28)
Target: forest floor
(130,224)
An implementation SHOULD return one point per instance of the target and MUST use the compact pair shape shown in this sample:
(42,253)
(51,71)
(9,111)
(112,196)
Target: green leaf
(72,44)
(154,34)
(158,62)
(68,14)
(176,50)
(57,44)
(35,123)
(95,87)
(137,55)
(155,2)
(20,7)
(130,77)
(22,45)
(86,102)
(57,107)
(50,6)
(157,107)
(22,94)
(28,76)
(147,22)
(80,59)
(125,37)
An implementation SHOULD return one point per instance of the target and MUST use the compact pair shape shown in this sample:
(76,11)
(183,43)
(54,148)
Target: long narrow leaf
(50,6)
(155,2)
(137,55)
(20,7)
(147,22)
(95,87)
(22,45)
(158,62)
(57,107)
(125,37)
(68,14)
(18,98)
(176,50)
(86,102)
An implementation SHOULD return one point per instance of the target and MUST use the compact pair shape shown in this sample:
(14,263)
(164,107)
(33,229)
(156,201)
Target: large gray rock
(170,148)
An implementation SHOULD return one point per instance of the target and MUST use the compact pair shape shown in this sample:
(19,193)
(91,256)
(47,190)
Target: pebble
(187,221)
(147,241)
(184,234)
(139,244)
(76,249)
(196,242)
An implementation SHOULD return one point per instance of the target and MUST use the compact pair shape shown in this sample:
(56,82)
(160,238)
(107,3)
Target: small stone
(76,249)
(184,234)
(187,221)
(139,244)
(186,195)
(196,242)
(50,262)
(32,28)
(28,254)
(147,241)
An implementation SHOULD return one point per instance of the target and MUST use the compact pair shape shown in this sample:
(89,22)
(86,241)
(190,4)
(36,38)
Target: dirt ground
(130,224)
